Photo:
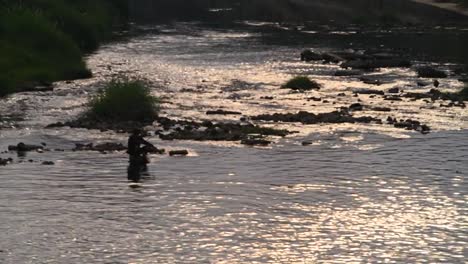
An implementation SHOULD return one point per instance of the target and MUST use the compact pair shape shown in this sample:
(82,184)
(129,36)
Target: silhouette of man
(138,147)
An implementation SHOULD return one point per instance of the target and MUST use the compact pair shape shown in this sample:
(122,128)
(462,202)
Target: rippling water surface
(358,194)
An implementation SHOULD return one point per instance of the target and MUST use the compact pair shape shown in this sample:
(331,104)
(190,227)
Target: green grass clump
(124,100)
(301,83)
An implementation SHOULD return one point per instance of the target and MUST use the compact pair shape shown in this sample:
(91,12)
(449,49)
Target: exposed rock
(356,107)
(222,112)
(377,63)
(178,153)
(433,94)
(368,80)
(394,90)
(308,55)
(423,84)
(311,118)
(409,125)
(90,123)
(331,57)
(255,142)
(368,91)
(412,125)
(380,109)
(21,147)
(430,72)
(392,98)
(4,162)
(189,130)
(315,99)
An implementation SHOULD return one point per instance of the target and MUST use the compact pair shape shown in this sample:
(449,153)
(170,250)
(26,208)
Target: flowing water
(358,194)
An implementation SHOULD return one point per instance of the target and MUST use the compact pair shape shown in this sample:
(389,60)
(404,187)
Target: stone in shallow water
(183,152)
(222,112)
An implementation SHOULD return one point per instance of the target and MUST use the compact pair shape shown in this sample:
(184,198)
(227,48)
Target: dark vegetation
(301,83)
(44,40)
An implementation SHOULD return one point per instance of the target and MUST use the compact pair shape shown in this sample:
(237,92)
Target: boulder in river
(394,90)
(368,91)
(410,124)
(255,142)
(222,112)
(430,72)
(309,55)
(178,152)
(331,57)
(356,107)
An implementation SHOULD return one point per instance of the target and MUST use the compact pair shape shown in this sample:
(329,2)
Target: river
(360,193)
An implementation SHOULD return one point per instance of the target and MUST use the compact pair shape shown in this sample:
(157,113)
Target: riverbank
(45,41)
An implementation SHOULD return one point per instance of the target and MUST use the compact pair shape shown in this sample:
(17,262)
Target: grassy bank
(44,40)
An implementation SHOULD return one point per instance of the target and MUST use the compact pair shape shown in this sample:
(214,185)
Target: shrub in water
(124,100)
(301,83)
